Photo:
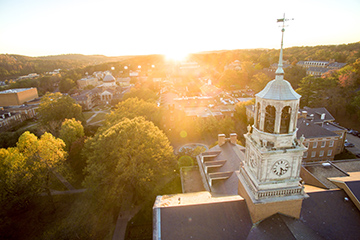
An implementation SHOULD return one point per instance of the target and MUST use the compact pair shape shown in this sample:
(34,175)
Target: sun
(176,55)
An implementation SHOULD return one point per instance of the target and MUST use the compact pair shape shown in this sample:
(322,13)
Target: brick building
(18,96)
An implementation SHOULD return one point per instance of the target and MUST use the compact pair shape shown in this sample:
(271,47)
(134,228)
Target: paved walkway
(122,221)
(63,180)
(95,114)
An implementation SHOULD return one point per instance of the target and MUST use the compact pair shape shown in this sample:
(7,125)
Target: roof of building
(324,215)
(278,89)
(7,114)
(210,90)
(317,113)
(15,90)
(333,127)
(311,130)
(231,155)
(109,78)
(336,65)
(318,69)
(220,219)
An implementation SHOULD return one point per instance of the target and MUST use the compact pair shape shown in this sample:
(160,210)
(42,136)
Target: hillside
(13,66)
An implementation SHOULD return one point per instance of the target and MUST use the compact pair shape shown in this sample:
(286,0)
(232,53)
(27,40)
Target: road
(356,141)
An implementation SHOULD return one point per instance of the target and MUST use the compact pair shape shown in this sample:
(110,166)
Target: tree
(187,156)
(210,127)
(316,92)
(134,107)
(25,169)
(70,131)
(66,84)
(240,111)
(130,157)
(294,74)
(54,108)
(141,93)
(230,80)
(259,81)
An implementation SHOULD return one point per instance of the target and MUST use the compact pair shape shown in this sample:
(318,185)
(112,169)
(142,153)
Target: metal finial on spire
(280,70)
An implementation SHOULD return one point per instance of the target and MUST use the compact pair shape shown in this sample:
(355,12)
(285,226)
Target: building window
(307,144)
(305,154)
(329,152)
(331,144)
(323,144)
(321,153)
(315,145)
(313,154)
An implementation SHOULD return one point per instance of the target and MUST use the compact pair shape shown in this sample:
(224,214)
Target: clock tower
(269,177)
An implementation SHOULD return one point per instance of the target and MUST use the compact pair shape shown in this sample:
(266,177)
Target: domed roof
(278,89)
(109,78)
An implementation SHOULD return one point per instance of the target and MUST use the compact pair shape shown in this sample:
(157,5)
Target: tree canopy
(131,108)
(70,131)
(128,157)
(25,169)
(141,93)
(54,108)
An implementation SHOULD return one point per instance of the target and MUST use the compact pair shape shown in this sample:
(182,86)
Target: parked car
(347,144)
(358,155)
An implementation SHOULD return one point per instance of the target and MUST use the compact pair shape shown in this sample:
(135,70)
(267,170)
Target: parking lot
(354,140)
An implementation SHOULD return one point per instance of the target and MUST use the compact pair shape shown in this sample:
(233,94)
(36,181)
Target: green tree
(240,111)
(25,169)
(259,81)
(70,131)
(66,84)
(54,108)
(230,80)
(134,107)
(142,93)
(316,92)
(294,74)
(130,157)
(210,127)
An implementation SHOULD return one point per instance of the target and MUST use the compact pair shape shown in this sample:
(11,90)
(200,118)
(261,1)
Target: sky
(171,27)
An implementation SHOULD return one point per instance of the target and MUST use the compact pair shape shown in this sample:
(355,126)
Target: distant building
(88,98)
(274,66)
(108,81)
(29,76)
(18,96)
(236,65)
(323,138)
(210,90)
(89,80)
(123,82)
(8,119)
(318,68)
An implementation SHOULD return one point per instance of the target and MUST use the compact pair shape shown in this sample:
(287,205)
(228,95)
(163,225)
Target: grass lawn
(87,115)
(98,117)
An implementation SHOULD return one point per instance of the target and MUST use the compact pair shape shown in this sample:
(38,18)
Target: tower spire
(280,71)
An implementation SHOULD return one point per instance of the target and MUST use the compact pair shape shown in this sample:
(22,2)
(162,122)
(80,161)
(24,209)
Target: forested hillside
(12,66)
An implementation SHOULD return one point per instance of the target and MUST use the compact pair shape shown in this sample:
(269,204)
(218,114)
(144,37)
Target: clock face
(280,167)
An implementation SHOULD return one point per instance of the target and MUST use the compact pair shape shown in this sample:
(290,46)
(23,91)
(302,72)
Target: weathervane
(280,70)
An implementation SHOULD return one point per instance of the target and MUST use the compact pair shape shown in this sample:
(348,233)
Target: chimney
(221,139)
(233,138)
